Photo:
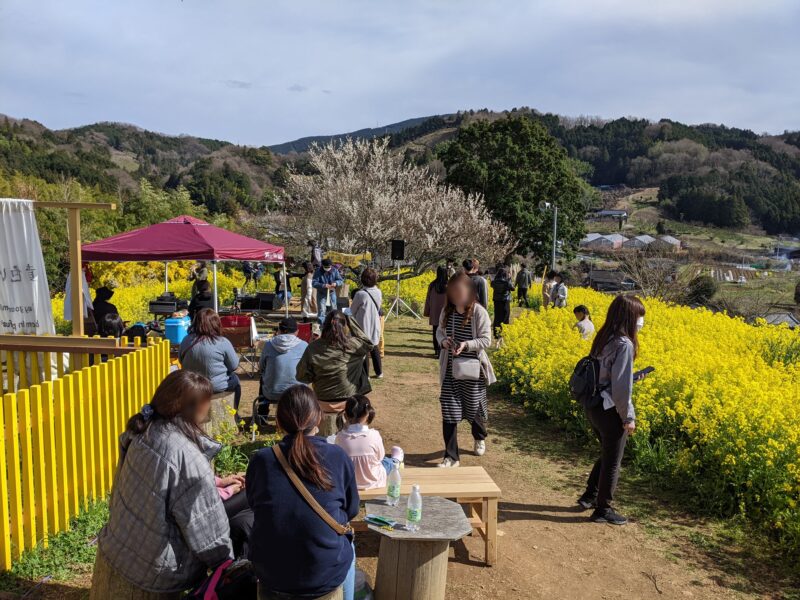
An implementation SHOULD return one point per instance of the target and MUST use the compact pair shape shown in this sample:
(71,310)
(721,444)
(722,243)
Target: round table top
(442,520)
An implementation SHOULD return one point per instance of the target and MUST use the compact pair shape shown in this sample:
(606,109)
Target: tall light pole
(545,206)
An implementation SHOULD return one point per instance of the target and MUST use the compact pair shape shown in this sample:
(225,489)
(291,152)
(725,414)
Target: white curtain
(24,294)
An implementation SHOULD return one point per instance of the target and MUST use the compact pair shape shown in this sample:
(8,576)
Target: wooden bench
(470,486)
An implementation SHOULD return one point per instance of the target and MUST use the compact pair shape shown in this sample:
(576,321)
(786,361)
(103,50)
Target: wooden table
(412,565)
(470,486)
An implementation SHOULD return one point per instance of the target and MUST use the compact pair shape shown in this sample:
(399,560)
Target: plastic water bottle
(414,510)
(393,486)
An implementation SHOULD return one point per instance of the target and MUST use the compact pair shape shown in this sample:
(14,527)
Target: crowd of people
(172,519)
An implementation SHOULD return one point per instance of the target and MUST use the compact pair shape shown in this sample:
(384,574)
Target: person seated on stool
(279,360)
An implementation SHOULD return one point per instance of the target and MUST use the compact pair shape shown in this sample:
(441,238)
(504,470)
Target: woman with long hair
(334,363)
(366,309)
(502,286)
(206,352)
(615,347)
(464,334)
(296,554)
(167,523)
(435,300)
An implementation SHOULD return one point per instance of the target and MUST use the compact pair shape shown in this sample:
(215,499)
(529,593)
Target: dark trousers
(522,297)
(603,479)
(240,519)
(236,387)
(450,433)
(502,315)
(377,365)
(436,348)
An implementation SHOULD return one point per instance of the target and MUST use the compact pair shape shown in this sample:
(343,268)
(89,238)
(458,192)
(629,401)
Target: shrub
(720,414)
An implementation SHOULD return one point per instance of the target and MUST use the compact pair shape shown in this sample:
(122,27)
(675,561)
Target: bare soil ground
(547,548)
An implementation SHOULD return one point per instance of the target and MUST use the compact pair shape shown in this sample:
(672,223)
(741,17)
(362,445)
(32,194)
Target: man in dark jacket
(472,268)
(326,279)
(524,280)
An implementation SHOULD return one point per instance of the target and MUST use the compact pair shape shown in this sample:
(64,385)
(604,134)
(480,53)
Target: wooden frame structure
(74,230)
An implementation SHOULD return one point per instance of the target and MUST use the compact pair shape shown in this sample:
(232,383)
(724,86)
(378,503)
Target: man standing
(247,270)
(524,281)
(198,273)
(316,253)
(326,279)
(472,268)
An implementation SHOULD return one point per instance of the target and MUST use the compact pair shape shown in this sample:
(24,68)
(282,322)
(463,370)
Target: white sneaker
(480,447)
(448,463)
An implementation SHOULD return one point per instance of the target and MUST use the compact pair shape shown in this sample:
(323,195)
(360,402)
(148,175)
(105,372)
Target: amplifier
(342,302)
(165,304)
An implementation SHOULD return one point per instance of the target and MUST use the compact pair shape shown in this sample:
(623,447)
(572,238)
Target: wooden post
(75,279)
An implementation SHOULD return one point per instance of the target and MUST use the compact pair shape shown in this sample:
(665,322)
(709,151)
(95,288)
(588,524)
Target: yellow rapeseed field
(138,283)
(721,412)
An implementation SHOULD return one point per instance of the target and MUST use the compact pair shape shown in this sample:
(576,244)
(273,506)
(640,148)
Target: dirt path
(547,548)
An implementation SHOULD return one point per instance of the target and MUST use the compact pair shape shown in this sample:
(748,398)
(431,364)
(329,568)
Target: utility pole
(555,237)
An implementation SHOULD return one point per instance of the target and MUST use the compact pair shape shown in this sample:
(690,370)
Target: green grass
(67,554)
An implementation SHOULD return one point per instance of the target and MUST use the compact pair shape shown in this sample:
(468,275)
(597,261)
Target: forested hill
(707,173)
(303,144)
(113,158)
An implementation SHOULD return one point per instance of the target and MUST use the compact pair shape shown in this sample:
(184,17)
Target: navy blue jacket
(292,549)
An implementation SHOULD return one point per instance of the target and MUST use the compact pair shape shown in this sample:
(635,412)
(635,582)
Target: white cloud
(236,70)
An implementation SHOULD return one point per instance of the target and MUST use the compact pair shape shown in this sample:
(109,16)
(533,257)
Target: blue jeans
(322,304)
(349,583)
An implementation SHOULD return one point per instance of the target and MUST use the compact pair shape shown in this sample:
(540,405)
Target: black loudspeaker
(250,303)
(342,302)
(398,250)
(266,301)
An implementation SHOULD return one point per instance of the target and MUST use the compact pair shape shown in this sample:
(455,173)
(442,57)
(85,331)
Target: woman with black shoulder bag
(367,309)
(464,333)
(303,493)
(613,419)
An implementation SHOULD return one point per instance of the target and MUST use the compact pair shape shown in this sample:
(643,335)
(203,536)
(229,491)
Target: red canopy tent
(183,238)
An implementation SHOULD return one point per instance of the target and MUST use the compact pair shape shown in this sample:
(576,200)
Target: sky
(261,72)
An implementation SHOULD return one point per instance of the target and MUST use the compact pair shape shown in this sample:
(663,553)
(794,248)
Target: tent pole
(166,277)
(285,289)
(216,299)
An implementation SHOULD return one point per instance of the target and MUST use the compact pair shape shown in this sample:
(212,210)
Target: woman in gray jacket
(167,523)
(613,420)
(464,333)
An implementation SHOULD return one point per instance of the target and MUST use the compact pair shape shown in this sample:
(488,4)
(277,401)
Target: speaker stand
(398,303)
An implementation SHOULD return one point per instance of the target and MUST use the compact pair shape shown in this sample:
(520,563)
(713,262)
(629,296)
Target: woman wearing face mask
(464,333)
(615,347)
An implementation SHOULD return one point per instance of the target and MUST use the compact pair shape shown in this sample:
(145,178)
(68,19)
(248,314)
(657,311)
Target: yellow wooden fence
(59,442)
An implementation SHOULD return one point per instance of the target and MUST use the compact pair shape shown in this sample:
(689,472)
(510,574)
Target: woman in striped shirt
(464,333)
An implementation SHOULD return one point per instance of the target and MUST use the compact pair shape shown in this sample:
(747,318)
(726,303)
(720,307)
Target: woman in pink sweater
(363,445)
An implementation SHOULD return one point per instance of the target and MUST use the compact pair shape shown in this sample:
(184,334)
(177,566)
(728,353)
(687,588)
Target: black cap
(326,262)
(287,325)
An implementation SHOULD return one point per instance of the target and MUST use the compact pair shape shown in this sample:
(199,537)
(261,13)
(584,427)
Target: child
(585,325)
(363,445)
